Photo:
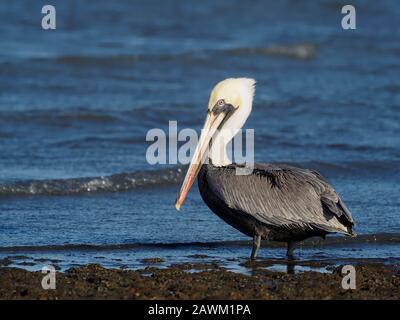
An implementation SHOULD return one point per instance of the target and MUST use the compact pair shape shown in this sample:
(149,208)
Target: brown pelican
(274,202)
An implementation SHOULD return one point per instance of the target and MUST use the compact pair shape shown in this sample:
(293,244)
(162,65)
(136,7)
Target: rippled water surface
(76,104)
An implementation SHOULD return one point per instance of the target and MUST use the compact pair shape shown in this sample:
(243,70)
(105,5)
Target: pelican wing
(283,196)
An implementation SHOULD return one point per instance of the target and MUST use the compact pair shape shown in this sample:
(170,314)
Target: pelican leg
(290,248)
(256,246)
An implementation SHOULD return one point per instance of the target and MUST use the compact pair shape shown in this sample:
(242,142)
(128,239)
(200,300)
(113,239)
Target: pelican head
(229,106)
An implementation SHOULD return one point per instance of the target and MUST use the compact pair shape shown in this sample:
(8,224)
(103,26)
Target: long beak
(211,125)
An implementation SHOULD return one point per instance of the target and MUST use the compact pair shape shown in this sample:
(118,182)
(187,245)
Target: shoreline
(330,241)
(203,281)
(311,255)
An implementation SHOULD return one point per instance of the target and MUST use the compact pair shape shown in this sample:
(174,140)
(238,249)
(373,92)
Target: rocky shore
(201,281)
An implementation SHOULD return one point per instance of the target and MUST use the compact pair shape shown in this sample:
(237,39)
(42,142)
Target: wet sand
(203,281)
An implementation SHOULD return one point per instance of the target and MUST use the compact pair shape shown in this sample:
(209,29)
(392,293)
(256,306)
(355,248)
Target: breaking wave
(112,183)
(295,51)
(170,176)
(299,51)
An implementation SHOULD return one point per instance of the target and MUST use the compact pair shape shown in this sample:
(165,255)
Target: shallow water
(76,104)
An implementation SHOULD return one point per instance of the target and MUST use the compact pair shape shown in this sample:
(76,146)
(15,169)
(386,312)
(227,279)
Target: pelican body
(272,202)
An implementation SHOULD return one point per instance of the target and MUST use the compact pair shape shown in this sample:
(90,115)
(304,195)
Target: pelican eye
(220,103)
(219,106)
(222,106)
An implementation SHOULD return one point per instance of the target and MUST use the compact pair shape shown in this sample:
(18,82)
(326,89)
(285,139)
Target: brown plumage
(275,202)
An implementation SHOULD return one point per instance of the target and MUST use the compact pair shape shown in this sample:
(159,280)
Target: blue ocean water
(76,104)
